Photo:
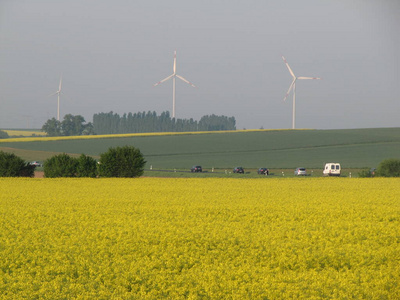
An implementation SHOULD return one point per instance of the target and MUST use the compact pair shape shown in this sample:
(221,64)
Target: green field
(353,148)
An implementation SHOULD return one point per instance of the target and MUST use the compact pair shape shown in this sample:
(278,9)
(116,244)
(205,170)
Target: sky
(110,53)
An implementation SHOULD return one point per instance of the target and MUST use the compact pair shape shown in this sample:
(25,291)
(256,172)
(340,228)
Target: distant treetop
(112,123)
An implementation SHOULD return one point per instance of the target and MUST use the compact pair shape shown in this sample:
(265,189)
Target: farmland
(24,133)
(154,238)
(353,148)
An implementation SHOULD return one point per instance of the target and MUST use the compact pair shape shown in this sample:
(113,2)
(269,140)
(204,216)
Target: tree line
(113,123)
(109,123)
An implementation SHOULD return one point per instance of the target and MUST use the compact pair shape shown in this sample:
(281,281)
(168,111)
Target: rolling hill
(353,148)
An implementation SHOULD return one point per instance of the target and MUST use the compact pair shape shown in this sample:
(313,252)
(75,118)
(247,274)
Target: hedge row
(387,168)
(124,161)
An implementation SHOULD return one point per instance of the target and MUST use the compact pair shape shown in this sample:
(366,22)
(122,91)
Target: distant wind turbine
(58,98)
(173,76)
(293,86)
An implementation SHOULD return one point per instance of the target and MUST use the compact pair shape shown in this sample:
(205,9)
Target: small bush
(365,173)
(389,168)
(14,166)
(124,161)
(61,165)
(87,166)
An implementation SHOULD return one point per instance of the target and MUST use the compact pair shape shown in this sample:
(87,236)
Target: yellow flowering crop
(23,132)
(124,135)
(165,238)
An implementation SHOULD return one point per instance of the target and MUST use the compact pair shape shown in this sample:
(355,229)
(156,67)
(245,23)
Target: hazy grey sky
(110,54)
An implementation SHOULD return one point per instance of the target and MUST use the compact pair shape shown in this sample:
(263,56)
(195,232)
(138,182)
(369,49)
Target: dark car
(196,169)
(238,170)
(263,171)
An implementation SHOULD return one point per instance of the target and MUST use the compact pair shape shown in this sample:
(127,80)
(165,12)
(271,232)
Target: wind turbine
(293,86)
(173,76)
(58,98)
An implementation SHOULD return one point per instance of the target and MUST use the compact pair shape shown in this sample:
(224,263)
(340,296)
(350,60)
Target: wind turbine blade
(287,65)
(175,62)
(59,87)
(290,88)
(53,94)
(181,78)
(308,78)
(165,79)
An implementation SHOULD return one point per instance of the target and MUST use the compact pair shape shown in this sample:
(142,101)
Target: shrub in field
(14,166)
(389,168)
(87,166)
(61,165)
(365,173)
(124,161)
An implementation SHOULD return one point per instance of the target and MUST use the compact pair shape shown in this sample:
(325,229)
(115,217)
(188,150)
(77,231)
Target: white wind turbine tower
(58,98)
(293,86)
(173,76)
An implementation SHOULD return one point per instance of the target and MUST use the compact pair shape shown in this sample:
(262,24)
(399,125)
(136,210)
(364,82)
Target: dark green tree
(87,166)
(61,165)
(72,125)
(52,127)
(389,168)
(14,166)
(3,135)
(124,161)
(88,129)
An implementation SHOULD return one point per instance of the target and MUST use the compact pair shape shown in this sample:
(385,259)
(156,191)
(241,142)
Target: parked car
(35,163)
(196,169)
(238,170)
(300,171)
(332,169)
(263,171)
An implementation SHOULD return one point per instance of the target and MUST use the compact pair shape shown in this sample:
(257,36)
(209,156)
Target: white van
(332,169)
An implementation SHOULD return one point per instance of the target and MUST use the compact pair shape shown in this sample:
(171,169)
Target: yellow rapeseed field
(165,238)
(125,135)
(24,133)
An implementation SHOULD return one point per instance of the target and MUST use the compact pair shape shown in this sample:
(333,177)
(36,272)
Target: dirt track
(39,174)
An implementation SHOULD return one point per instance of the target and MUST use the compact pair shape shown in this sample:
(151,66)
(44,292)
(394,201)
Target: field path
(39,174)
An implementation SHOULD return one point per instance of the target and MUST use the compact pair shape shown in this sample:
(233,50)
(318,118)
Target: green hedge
(87,166)
(14,166)
(389,168)
(124,161)
(61,165)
